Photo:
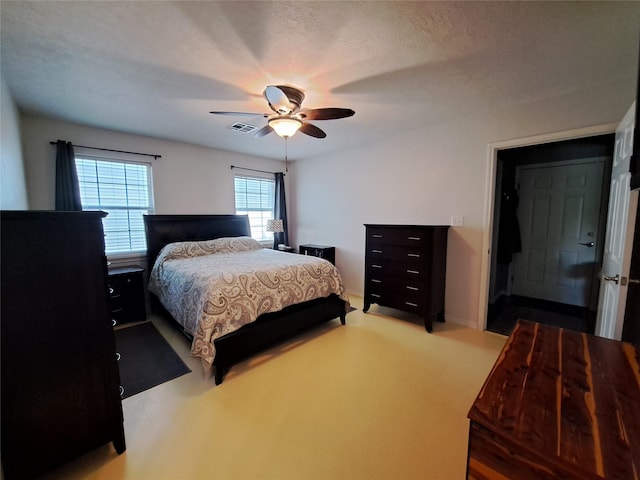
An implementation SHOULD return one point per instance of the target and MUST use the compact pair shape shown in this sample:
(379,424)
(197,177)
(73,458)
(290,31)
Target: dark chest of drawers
(405,267)
(126,295)
(60,393)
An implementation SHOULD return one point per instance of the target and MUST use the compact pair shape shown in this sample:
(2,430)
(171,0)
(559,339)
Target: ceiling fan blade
(312,130)
(295,96)
(326,113)
(263,131)
(242,114)
(278,100)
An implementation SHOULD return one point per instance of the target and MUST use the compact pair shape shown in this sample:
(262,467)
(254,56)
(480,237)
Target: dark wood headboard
(164,229)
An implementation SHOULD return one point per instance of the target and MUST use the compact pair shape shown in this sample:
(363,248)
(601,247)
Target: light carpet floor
(379,398)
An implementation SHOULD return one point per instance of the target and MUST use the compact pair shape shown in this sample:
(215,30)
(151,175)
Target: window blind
(254,196)
(122,190)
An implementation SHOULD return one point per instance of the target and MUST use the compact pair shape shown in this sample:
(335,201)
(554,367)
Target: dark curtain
(67,189)
(280,211)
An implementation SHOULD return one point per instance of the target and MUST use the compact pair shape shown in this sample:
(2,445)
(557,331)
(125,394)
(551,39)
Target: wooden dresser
(558,404)
(60,392)
(405,268)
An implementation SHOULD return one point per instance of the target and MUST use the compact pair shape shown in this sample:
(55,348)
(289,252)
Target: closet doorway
(550,210)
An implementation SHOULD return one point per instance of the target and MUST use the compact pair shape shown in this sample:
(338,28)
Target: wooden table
(558,404)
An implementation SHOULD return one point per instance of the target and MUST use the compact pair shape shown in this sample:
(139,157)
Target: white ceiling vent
(242,127)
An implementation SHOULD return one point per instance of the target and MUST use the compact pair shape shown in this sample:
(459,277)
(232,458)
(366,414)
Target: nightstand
(321,251)
(126,295)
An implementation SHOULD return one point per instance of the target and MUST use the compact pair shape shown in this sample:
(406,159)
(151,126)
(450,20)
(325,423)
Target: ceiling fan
(288,116)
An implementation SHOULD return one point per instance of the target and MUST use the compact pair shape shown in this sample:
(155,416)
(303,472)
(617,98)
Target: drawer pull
(111,290)
(116,310)
(117,357)
(113,322)
(411,304)
(414,238)
(377,236)
(121,390)
(375,280)
(375,295)
(412,288)
(414,255)
(415,272)
(376,251)
(376,266)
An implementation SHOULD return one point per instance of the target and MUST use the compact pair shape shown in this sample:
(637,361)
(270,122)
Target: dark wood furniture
(558,404)
(320,251)
(269,328)
(126,295)
(60,383)
(405,267)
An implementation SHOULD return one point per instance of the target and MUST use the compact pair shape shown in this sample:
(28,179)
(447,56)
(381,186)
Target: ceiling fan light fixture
(285,127)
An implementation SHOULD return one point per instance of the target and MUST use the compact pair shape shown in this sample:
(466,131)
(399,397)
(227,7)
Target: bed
(171,238)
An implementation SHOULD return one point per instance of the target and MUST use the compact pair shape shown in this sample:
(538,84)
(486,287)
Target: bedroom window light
(123,190)
(254,197)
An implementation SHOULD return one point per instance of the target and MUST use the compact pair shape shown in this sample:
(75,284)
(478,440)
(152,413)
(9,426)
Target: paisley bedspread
(216,286)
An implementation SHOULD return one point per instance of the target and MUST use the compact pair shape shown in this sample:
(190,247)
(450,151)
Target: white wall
(187,179)
(425,177)
(13,187)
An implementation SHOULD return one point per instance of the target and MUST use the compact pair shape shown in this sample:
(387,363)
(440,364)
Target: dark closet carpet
(503,314)
(146,359)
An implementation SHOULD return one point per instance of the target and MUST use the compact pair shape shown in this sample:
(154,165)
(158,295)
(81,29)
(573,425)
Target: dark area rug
(146,359)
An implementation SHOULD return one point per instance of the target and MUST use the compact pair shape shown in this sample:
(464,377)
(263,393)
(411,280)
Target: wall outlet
(457,221)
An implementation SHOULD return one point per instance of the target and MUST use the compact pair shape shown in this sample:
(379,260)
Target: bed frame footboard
(267,331)
(272,328)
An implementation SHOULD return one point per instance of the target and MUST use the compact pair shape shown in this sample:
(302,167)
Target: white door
(558,214)
(617,249)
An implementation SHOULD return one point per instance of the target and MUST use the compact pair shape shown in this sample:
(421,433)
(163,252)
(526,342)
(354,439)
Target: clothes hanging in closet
(509,229)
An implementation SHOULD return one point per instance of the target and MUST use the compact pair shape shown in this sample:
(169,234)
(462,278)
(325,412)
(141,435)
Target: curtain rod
(254,170)
(155,157)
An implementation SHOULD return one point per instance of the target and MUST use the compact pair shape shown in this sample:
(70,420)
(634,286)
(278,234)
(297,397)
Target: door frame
(489,198)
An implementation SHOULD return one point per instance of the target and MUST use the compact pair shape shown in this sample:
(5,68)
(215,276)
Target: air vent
(242,127)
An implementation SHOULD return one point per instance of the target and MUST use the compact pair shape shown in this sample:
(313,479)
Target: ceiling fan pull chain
(286,165)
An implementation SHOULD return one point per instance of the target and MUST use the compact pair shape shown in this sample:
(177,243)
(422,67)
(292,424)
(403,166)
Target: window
(123,190)
(254,197)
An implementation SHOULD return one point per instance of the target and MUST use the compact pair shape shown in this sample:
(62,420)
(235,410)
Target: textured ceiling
(158,68)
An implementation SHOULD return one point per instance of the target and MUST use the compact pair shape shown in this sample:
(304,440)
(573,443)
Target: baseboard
(354,293)
(461,321)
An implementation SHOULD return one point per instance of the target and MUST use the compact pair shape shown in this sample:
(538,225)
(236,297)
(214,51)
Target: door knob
(587,244)
(615,279)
